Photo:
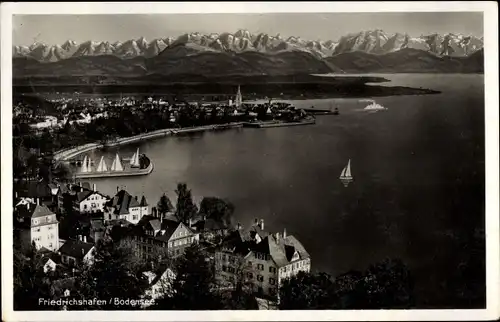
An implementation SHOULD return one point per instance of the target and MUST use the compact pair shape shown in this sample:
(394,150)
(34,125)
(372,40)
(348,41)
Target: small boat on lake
(345,175)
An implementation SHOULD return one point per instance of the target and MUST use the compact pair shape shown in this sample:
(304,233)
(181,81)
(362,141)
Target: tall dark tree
(307,291)
(164,205)
(30,281)
(186,209)
(385,285)
(217,209)
(194,285)
(112,275)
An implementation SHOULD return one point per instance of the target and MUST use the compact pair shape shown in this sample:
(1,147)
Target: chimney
(28,205)
(238,226)
(261,225)
(256,221)
(16,194)
(38,201)
(284,233)
(80,237)
(84,239)
(83,252)
(277,238)
(94,187)
(190,222)
(117,188)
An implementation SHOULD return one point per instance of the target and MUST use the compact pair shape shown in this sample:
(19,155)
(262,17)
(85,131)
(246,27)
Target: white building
(89,201)
(37,224)
(263,260)
(124,206)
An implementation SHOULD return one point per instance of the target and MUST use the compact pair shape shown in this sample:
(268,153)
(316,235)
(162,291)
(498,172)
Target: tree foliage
(193,287)
(164,205)
(30,281)
(186,208)
(218,209)
(385,285)
(114,274)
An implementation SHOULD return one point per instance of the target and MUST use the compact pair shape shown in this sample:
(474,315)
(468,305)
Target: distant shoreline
(67,154)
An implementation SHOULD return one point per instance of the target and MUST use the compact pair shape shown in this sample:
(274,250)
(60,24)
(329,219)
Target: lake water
(418,173)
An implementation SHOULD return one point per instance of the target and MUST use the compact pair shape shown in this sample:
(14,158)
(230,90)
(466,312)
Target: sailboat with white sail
(134,162)
(84,165)
(102,167)
(117,164)
(345,175)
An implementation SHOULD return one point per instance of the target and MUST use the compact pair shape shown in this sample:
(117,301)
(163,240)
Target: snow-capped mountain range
(375,42)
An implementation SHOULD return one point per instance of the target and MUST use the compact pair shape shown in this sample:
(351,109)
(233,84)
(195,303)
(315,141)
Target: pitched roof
(40,211)
(82,195)
(168,227)
(280,249)
(144,202)
(76,248)
(122,201)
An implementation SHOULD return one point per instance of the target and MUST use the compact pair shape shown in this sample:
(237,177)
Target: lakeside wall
(65,154)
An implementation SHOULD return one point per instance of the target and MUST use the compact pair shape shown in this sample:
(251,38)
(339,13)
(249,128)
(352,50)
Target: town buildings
(153,237)
(259,259)
(124,206)
(36,224)
(76,252)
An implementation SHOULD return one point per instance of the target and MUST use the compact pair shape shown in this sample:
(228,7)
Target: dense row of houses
(262,259)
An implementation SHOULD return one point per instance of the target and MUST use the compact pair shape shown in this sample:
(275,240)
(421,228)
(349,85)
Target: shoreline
(67,154)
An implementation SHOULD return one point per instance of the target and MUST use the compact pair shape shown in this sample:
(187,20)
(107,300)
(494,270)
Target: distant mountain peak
(375,41)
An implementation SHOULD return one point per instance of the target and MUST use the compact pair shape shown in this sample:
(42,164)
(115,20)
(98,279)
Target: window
(224,268)
(84,207)
(272,269)
(250,275)
(272,281)
(260,278)
(260,267)
(134,217)
(50,245)
(93,205)
(48,219)
(170,244)
(249,264)
(230,269)
(223,257)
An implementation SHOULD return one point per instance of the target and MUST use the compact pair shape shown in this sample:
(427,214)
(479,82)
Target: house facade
(124,206)
(37,224)
(153,236)
(260,259)
(75,252)
(90,201)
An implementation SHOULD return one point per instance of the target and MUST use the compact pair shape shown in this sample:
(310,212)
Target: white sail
(84,165)
(348,170)
(134,162)
(117,164)
(102,165)
(345,175)
(89,165)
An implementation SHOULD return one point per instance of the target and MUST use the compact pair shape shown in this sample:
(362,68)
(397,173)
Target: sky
(56,29)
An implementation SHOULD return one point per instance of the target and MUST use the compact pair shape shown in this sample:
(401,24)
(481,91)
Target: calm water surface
(418,177)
